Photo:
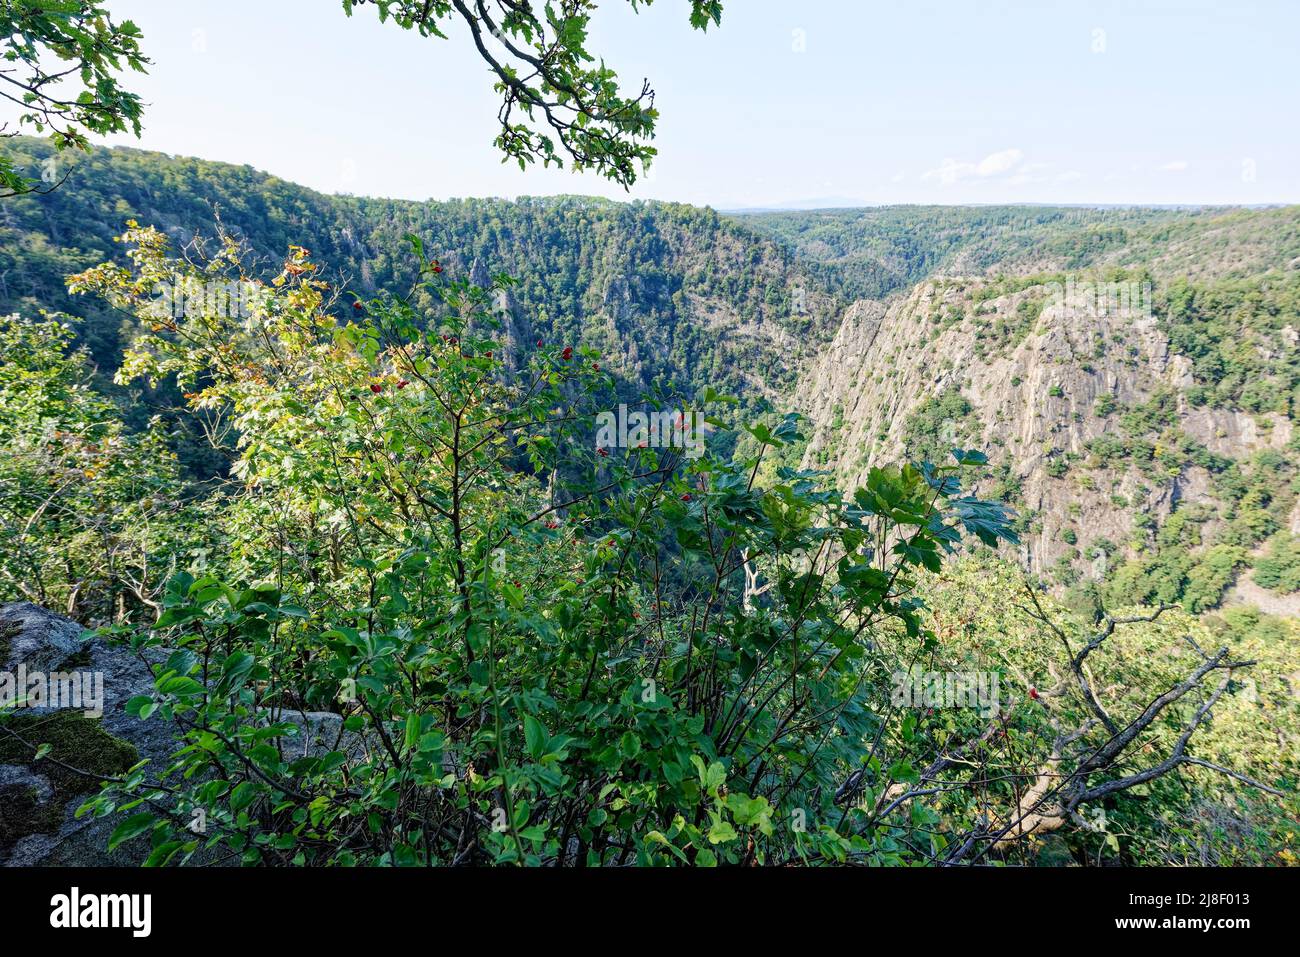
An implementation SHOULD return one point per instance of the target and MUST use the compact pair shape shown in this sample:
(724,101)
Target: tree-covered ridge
(870,253)
(665,290)
(682,296)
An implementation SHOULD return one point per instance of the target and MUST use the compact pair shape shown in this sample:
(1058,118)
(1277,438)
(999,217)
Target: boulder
(39,798)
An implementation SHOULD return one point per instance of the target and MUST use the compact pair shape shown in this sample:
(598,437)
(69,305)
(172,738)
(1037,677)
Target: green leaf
(242,796)
(721,832)
(133,826)
(629,745)
(412,731)
(535,737)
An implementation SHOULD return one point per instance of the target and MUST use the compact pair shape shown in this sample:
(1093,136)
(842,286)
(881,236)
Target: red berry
(402,384)
(489,355)
(686,497)
(376,388)
(602,452)
(567,354)
(357,306)
(539,343)
(596,366)
(1033,693)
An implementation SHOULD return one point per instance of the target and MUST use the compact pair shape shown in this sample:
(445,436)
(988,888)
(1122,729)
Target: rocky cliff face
(1037,375)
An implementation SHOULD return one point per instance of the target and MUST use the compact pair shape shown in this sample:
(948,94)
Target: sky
(810,103)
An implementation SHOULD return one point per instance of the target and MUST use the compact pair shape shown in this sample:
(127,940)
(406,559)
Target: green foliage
(1173,568)
(557,98)
(1279,568)
(533,652)
(90,513)
(48,41)
(1239,334)
(1197,816)
(939,424)
(1260,494)
(1210,577)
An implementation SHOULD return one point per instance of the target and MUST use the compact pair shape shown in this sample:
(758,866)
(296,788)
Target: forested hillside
(411,523)
(1104,420)
(664,290)
(869,253)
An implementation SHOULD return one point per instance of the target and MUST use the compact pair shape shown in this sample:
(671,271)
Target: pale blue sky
(935,101)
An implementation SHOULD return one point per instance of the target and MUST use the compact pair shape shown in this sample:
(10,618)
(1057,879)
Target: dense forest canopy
(571,532)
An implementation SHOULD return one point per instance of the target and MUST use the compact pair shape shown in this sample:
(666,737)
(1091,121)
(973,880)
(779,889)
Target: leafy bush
(448,622)
(1279,569)
(89,515)
(528,649)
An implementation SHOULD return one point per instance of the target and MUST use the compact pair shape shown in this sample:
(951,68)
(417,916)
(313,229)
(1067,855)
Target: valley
(1147,446)
(1120,384)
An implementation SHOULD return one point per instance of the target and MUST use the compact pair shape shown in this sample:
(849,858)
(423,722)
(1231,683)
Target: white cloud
(1177,166)
(1000,162)
(949,171)
(995,164)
